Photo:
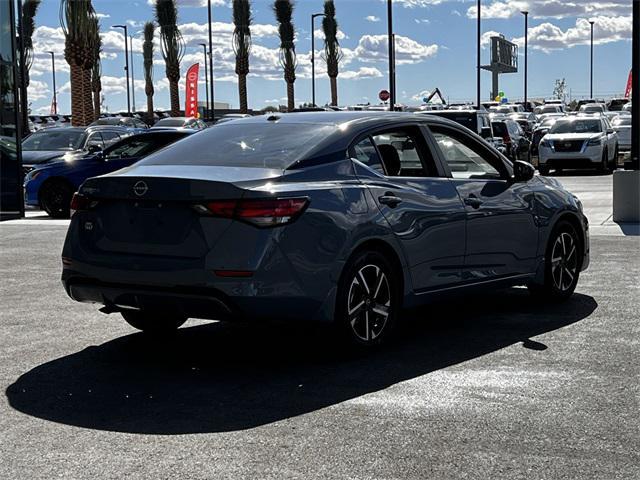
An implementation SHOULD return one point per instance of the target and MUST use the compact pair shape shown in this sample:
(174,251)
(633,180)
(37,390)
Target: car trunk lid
(150,210)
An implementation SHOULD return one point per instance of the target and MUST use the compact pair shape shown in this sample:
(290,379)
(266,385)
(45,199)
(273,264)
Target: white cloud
(362,72)
(372,18)
(195,3)
(552,8)
(422,20)
(374,48)
(38,90)
(485,38)
(103,15)
(548,36)
(319,34)
(417,3)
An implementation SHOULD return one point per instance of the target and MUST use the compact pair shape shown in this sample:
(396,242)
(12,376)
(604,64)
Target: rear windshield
(621,121)
(499,129)
(240,144)
(171,122)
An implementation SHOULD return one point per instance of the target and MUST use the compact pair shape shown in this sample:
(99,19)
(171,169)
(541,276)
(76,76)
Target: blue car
(343,218)
(51,186)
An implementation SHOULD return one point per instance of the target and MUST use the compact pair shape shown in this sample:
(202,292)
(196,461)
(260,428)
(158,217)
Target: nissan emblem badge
(140,188)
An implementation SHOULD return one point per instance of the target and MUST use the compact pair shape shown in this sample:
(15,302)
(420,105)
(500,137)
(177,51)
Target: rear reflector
(79,203)
(234,273)
(262,213)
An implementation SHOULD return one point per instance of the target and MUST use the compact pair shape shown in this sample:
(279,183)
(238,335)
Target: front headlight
(545,143)
(33,174)
(594,142)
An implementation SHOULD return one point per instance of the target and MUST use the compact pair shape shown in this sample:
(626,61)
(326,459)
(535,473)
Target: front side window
(465,160)
(95,139)
(401,153)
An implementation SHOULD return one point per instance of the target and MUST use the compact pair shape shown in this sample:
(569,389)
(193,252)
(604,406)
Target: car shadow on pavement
(224,377)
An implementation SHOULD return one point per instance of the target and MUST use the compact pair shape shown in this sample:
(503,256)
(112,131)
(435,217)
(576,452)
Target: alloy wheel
(564,262)
(369,302)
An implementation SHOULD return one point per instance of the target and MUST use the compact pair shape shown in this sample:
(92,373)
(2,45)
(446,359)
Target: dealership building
(11,204)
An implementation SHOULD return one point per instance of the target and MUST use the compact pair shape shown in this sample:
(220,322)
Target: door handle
(473,202)
(389,199)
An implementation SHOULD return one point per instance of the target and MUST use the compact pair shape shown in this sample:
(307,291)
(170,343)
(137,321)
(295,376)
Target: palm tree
(29,9)
(172,48)
(76,19)
(332,51)
(96,70)
(147,55)
(242,46)
(284,11)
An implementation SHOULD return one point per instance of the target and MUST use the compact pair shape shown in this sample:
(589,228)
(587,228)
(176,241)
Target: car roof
(61,129)
(345,118)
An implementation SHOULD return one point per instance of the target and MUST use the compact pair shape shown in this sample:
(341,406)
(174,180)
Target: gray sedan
(343,218)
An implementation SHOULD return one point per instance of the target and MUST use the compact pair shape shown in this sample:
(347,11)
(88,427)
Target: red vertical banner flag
(627,92)
(191,94)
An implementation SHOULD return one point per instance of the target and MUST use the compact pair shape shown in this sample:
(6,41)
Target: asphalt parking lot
(496,386)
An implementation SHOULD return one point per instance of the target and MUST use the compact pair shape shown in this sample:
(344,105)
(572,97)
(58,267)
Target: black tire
(614,161)
(543,169)
(154,323)
(563,260)
(604,163)
(55,198)
(368,290)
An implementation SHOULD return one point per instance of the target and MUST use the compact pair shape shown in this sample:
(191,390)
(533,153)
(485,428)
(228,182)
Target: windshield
(170,122)
(139,146)
(501,109)
(54,140)
(621,120)
(591,108)
(577,126)
(241,144)
(108,121)
(548,121)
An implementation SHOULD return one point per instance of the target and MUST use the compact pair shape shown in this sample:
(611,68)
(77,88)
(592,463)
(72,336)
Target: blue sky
(435,48)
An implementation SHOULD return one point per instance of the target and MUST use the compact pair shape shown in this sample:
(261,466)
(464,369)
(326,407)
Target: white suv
(579,142)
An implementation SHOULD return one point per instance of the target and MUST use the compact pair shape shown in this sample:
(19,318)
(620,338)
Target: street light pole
(53,69)
(392,67)
(634,162)
(526,37)
(478,56)
(313,57)
(126,63)
(206,79)
(213,103)
(133,81)
(591,82)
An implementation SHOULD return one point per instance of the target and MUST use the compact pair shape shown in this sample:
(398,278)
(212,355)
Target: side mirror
(485,132)
(522,171)
(94,149)
(610,131)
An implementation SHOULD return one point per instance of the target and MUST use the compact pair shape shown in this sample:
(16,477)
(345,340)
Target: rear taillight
(79,202)
(262,213)
(506,139)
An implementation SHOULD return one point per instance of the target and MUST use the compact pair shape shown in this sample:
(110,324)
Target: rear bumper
(194,302)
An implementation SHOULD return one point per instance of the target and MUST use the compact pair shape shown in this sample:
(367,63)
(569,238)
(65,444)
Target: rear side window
(365,152)
(239,144)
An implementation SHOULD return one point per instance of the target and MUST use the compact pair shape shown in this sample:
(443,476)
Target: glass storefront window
(10,164)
